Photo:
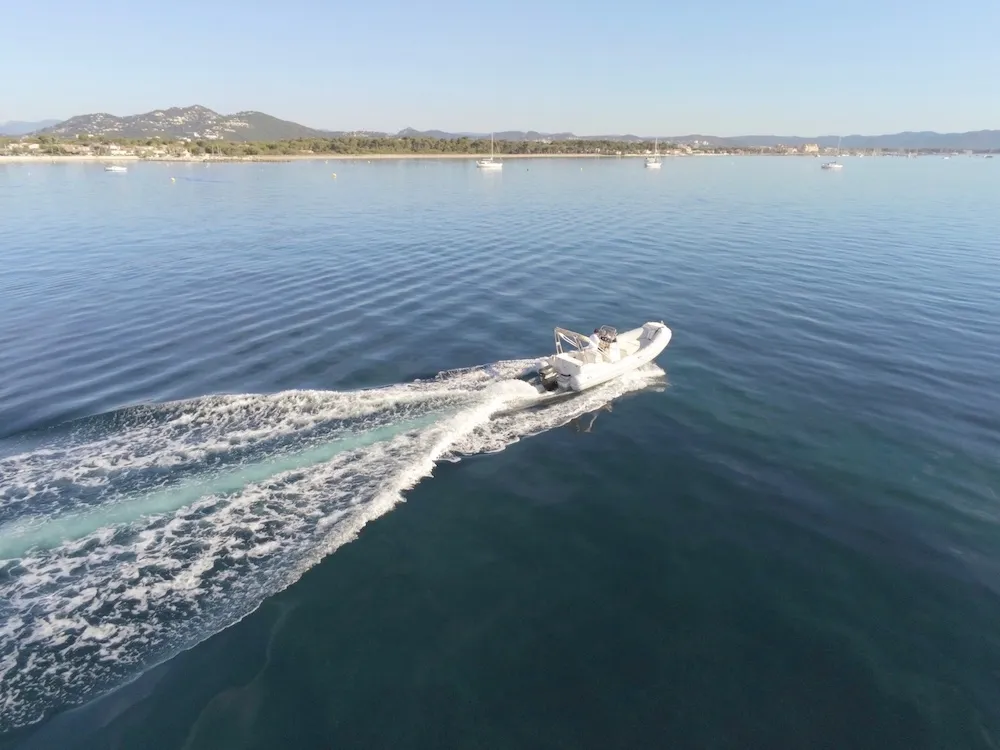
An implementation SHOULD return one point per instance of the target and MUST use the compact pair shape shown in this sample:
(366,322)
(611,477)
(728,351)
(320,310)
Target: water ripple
(835,335)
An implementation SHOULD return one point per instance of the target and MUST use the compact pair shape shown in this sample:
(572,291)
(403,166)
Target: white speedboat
(584,365)
(115,168)
(489,163)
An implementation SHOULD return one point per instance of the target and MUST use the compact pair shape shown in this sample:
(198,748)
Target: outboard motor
(545,378)
(548,377)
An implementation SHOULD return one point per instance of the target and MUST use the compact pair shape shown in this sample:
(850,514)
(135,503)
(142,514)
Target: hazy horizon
(578,132)
(777,68)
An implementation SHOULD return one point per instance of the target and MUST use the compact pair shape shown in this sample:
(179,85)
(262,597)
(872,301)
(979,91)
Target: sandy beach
(65,159)
(74,158)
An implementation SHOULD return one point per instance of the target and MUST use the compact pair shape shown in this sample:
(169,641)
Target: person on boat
(595,339)
(614,353)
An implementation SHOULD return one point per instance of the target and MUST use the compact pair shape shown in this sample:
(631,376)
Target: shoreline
(90,158)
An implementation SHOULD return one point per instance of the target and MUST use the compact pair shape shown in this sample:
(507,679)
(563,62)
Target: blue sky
(722,68)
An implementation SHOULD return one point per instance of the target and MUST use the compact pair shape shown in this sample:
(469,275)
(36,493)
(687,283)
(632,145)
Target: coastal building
(810,148)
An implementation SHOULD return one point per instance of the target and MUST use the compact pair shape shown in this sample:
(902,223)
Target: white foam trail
(92,602)
(179,434)
(509,428)
(19,537)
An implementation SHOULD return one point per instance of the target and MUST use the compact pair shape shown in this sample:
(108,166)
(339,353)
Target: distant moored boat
(834,164)
(654,162)
(489,163)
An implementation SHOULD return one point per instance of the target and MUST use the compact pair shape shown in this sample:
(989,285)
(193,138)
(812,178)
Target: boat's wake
(131,536)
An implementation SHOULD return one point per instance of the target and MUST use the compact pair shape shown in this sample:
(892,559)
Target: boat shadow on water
(584,423)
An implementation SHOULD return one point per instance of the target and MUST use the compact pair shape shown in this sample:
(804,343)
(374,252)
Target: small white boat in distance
(653,162)
(834,164)
(489,163)
(585,364)
(115,168)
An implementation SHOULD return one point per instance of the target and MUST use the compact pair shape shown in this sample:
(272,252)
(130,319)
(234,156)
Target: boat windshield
(574,339)
(606,334)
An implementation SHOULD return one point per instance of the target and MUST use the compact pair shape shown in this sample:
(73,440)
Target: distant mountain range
(199,122)
(184,122)
(980,140)
(505,135)
(17,127)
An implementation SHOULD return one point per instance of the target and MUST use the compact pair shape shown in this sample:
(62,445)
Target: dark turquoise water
(786,535)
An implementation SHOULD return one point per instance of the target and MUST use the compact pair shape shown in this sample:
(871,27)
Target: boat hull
(592,375)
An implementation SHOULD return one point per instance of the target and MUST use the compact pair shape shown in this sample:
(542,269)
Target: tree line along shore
(370,146)
(44,145)
(349,146)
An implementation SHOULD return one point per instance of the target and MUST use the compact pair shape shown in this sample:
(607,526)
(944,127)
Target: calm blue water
(785,535)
